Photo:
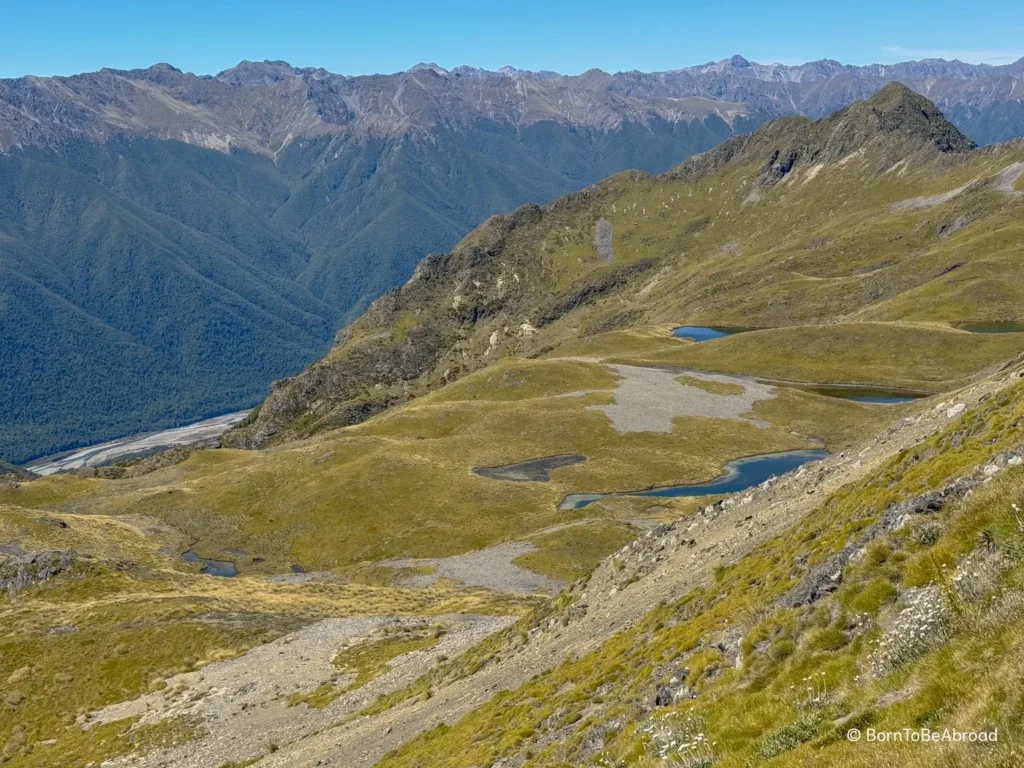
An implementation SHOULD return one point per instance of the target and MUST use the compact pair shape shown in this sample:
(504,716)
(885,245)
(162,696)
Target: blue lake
(739,475)
(702,332)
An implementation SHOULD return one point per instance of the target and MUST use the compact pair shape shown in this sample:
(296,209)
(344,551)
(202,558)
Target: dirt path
(612,604)
(1006,179)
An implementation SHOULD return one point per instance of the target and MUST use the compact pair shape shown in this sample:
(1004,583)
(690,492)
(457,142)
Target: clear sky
(48,37)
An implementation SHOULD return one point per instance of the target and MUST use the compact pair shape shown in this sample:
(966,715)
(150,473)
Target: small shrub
(19,736)
(928,534)
(18,675)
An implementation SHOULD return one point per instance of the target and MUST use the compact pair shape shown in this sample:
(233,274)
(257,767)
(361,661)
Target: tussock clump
(928,534)
(792,735)
(15,743)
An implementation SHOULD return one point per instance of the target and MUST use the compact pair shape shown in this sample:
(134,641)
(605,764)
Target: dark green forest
(145,284)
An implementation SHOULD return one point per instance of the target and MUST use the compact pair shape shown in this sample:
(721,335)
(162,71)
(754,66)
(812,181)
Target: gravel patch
(242,703)
(95,455)
(649,399)
(490,568)
(1006,179)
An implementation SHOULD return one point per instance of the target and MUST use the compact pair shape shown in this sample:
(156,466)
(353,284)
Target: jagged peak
(902,121)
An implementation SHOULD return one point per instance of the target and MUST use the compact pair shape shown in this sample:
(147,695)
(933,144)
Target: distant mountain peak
(896,122)
(257,73)
(163,66)
(429,66)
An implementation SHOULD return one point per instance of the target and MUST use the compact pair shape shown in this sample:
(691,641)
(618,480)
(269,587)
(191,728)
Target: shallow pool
(1005,327)
(867,394)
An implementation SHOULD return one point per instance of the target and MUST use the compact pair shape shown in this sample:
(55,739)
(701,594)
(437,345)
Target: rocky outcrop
(12,471)
(22,571)
(826,577)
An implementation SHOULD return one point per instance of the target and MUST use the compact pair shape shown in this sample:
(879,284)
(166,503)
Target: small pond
(867,394)
(700,333)
(1007,327)
(224,568)
(739,475)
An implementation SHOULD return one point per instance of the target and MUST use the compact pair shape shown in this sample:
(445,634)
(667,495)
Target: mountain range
(720,466)
(170,243)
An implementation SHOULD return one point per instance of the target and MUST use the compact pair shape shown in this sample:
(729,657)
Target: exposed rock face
(603,239)
(674,690)
(23,571)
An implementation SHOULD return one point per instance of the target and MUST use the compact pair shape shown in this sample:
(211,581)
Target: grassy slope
(402,483)
(921,356)
(804,675)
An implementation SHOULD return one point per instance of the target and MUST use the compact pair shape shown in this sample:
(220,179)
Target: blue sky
(60,37)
